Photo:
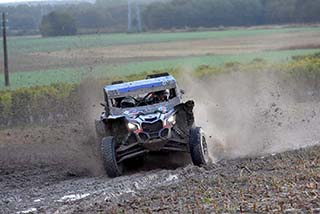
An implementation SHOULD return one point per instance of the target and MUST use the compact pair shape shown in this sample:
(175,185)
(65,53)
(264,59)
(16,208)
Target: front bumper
(137,144)
(146,137)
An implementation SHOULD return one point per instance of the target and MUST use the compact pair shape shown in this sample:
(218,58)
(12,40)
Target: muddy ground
(256,116)
(279,183)
(56,169)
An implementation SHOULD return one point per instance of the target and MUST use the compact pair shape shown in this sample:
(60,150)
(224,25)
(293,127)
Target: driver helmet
(163,95)
(127,102)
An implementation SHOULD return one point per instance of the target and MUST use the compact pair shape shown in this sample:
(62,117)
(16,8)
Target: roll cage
(113,94)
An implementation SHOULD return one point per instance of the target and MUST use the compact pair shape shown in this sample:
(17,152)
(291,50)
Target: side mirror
(182,91)
(103,104)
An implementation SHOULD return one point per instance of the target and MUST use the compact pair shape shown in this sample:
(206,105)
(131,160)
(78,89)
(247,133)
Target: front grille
(151,119)
(152,127)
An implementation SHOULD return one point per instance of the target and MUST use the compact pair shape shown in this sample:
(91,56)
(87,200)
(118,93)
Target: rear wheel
(109,156)
(198,147)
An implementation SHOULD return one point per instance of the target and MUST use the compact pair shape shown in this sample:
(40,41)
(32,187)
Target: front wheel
(109,156)
(198,147)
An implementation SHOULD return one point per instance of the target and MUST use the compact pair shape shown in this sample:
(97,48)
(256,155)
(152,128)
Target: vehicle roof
(159,82)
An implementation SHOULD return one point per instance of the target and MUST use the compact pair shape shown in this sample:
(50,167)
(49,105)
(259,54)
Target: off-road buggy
(147,116)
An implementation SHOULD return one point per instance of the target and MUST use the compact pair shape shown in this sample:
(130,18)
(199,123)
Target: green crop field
(73,75)
(29,45)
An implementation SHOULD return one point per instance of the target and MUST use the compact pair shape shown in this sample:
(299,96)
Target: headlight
(172,119)
(132,126)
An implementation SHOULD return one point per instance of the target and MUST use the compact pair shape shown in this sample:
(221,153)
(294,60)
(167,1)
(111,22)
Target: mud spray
(254,113)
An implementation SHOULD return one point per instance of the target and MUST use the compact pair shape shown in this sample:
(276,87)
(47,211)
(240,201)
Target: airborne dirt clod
(249,118)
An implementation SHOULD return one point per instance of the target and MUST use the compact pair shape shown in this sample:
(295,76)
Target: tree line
(28,19)
(215,13)
(111,15)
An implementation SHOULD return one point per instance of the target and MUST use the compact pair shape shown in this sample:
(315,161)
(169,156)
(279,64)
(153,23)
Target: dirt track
(69,179)
(287,182)
(56,169)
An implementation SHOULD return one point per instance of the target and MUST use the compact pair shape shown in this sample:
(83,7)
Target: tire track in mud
(54,167)
(63,196)
(253,184)
(55,190)
(178,188)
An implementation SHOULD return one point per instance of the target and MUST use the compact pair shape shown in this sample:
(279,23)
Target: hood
(145,111)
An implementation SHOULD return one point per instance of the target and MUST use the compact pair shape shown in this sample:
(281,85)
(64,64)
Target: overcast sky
(13,1)
(17,1)
(6,1)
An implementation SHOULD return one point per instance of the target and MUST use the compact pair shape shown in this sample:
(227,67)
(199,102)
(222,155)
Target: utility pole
(138,15)
(5,51)
(129,17)
(134,17)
